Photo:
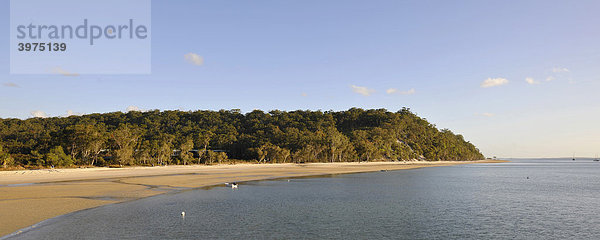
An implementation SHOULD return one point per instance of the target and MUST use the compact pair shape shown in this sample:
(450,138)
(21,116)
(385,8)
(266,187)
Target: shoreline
(28,197)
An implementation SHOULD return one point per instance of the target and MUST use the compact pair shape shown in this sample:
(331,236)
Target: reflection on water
(17,185)
(523,199)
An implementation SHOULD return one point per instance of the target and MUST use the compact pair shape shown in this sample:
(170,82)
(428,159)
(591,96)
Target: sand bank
(30,196)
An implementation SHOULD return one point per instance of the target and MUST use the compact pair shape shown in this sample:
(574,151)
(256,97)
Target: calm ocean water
(523,199)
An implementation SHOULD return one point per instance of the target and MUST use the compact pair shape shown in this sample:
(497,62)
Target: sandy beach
(30,196)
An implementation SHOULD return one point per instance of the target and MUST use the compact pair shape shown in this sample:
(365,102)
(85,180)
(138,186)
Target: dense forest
(204,137)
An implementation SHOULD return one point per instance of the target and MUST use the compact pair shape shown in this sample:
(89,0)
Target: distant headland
(155,138)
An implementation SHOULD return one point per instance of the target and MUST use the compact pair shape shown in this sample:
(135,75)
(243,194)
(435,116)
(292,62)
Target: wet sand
(30,196)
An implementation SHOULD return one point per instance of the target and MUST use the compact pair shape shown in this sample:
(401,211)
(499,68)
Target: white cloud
(194,59)
(63,72)
(531,81)
(133,108)
(362,90)
(38,114)
(391,91)
(304,94)
(560,70)
(10,84)
(549,78)
(493,82)
(396,91)
(72,113)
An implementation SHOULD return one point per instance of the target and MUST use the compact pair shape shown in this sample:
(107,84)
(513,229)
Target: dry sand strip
(30,196)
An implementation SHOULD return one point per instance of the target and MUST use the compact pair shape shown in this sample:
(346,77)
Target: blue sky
(431,56)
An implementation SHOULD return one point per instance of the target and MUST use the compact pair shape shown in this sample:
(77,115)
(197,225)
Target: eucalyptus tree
(125,138)
(5,158)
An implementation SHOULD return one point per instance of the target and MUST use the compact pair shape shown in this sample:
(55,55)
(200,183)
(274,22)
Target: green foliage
(57,157)
(125,139)
(221,157)
(85,141)
(177,137)
(211,157)
(185,147)
(271,153)
(5,158)
(37,159)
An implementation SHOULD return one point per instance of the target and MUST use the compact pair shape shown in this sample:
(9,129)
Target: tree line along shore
(154,138)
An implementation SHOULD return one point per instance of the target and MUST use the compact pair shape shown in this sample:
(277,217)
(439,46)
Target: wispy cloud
(72,113)
(362,90)
(531,81)
(133,108)
(560,70)
(485,114)
(396,91)
(304,94)
(63,72)
(10,84)
(549,78)
(493,82)
(38,114)
(194,59)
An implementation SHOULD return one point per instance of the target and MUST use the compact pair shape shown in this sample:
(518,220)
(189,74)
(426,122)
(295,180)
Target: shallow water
(523,199)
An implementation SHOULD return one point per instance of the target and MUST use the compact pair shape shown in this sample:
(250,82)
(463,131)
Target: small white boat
(234,185)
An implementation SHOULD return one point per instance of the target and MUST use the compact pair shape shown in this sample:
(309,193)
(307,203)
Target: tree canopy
(193,137)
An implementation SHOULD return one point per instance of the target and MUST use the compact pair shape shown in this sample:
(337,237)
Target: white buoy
(183,214)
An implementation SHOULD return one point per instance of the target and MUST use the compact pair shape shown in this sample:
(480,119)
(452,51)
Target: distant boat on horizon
(573,156)
(596,159)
